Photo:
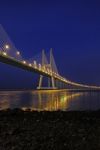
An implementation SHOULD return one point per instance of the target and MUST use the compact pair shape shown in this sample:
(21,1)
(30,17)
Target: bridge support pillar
(48,66)
(50,86)
(63,85)
(56,83)
(49,82)
(40,81)
(53,83)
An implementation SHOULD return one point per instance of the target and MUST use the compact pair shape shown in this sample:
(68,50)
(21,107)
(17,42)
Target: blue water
(50,100)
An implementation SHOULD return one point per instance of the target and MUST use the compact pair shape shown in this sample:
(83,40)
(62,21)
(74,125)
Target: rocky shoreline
(26,130)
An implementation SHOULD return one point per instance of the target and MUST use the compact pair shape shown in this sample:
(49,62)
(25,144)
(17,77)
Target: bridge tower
(47,66)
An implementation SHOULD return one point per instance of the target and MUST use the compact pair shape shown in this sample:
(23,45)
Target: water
(50,100)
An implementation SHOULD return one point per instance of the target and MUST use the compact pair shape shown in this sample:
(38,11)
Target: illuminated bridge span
(10,55)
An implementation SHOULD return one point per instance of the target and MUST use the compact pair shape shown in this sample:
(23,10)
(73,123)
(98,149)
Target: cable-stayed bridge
(10,55)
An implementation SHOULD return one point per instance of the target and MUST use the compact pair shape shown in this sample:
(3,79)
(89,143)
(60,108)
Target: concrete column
(53,83)
(40,81)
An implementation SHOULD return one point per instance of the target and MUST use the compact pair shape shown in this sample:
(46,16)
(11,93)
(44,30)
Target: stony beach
(26,130)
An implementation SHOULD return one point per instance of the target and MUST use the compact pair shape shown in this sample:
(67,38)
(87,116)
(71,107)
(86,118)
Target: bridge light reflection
(53,100)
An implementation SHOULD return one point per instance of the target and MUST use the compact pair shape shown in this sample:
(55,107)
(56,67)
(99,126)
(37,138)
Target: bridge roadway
(34,68)
(4,58)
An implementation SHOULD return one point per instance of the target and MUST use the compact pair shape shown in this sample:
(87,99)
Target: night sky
(70,27)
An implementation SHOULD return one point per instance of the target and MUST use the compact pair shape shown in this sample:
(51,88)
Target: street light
(24,62)
(18,53)
(30,65)
(7,46)
(4,53)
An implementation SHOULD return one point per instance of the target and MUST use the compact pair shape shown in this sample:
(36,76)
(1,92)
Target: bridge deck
(16,63)
(19,64)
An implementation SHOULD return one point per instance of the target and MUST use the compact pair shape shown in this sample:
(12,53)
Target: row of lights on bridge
(7,47)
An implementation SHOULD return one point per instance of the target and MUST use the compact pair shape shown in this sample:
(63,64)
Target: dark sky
(70,27)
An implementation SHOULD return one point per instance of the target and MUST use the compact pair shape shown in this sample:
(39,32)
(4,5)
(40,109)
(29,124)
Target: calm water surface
(50,100)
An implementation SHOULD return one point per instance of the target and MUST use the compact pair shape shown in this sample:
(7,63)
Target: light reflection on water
(50,100)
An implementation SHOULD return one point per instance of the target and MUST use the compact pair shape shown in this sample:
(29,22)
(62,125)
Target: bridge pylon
(47,66)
